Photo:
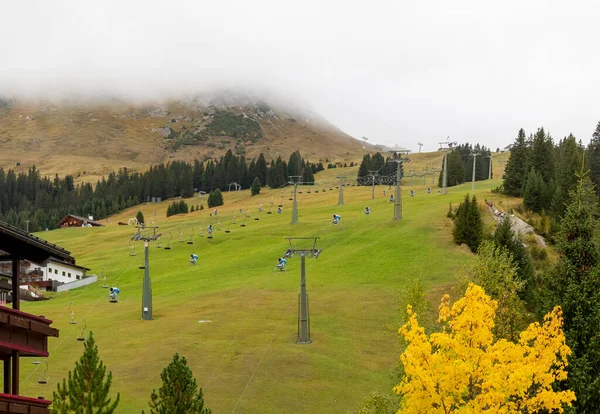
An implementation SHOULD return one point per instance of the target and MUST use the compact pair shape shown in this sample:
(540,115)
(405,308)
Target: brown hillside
(91,140)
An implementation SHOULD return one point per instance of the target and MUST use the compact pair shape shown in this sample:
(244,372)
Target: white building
(62,271)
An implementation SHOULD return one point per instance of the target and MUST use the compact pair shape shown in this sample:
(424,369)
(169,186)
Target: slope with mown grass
(245,358)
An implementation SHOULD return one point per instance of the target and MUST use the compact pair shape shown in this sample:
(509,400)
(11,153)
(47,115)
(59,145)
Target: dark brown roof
(54,260)
(19,243)
(92,222)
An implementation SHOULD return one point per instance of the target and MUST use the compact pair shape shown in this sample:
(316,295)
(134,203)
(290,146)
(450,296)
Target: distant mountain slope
(91,139)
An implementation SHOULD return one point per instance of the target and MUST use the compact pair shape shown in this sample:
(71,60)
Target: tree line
(543,172)
(460,164)
(43,201)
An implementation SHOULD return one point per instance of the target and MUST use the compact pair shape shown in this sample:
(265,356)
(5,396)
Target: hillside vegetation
(245,358)
(89,140)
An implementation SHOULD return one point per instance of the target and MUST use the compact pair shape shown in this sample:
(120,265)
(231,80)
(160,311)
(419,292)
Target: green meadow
(246,358)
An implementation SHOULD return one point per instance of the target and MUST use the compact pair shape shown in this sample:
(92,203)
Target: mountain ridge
(91,138)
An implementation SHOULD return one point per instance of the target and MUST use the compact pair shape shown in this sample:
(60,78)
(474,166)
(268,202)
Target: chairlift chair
(132,250)
(181,240)
(104,285)
(243,224)
(44,378)
(168,246)
(82,333)
(36,361)
(191,240)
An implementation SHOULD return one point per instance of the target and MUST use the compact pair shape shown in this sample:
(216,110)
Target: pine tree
(534,192)
(456,170)
(517,166)
(179,392)
(255,189)
(261,169)
(505,237)
(215,198)
(593,157)
(575,286)
(86,390)
(468,225)
(140,217)
(542,155)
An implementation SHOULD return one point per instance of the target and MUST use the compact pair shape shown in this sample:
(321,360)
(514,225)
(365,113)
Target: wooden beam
(6,257)
(15,373)
(7,376)
(16,289)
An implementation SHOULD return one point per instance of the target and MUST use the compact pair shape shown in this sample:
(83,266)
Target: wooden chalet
(22,334)
(71,220)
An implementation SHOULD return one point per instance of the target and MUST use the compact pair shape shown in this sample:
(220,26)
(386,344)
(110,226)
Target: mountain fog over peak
(397,73)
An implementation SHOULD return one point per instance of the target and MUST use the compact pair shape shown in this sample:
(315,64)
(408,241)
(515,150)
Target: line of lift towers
(303,246)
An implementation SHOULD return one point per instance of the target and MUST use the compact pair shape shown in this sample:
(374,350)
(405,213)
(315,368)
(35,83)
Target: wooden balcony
(13,404)
(28,334)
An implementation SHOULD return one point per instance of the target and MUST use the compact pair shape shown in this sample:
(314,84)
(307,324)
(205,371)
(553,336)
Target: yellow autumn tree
(465,369)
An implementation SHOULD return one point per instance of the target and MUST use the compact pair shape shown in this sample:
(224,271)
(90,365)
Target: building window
(55,271)
(69,274)
(77,277)
(50,269)
(63,273)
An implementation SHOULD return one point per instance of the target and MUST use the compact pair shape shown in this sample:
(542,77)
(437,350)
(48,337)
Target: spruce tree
(140,217)
(468,225)
(517,166)
(255,189)
(542,155)
(261,169)
(534,192)
(574,285)
(86,390)
(505,237)
(179,391)
(215,198)
(593,157)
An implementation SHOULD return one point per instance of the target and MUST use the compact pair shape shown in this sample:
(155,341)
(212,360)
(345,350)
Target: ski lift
(180,235)
(243,224)
(201,234)
(191,240)
(82,333)
(234,220)
(132,249)
(44,378)
(158,246)
(168,246)
(308,191)
(72,320)
(143,266)
(218,226)
(36,361)
(113,298)
(104,285)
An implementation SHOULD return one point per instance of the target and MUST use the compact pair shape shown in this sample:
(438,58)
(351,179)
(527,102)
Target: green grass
(246,358)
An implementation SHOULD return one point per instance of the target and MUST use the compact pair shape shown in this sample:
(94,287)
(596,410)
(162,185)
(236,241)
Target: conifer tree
(506,238)
(534,192)
(215,198)
(593,157)
(517,166)
(575,286)
(86,390)
(261,169)
(255,189)
(468,225)
(140,217)
(179,391)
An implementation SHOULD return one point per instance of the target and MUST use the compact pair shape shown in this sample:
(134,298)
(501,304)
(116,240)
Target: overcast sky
(397,72)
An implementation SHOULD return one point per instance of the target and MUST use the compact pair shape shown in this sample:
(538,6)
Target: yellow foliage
(465,369)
